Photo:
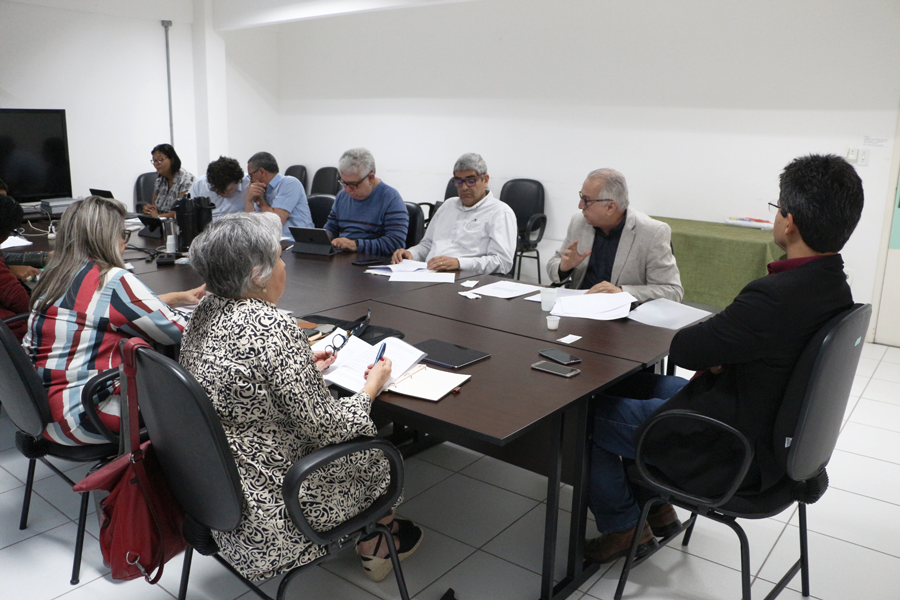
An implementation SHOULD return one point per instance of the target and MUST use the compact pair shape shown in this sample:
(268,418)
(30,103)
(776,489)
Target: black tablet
(445,354)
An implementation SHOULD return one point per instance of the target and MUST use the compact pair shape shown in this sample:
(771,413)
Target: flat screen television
(34,154)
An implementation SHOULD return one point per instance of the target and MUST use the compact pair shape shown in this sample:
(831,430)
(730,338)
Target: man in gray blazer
(625,249)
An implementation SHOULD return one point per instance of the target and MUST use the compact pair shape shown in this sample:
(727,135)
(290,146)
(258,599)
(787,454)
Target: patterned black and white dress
(258,369)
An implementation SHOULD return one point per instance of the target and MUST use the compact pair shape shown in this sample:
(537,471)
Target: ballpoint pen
(380,354)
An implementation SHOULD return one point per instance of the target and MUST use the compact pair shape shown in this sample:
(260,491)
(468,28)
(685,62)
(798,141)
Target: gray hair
(614,186)
(263,160)
(90,229)
(358,161)
(470,161)
(235,254)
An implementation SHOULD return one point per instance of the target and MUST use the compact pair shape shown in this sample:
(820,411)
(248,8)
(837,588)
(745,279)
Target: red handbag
(140,520)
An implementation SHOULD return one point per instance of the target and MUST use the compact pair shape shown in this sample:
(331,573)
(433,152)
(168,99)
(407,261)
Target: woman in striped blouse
(83,305)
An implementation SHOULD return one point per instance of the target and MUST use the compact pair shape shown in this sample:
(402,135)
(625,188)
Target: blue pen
(381,350)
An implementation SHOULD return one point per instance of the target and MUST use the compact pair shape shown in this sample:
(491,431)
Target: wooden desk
(622,338)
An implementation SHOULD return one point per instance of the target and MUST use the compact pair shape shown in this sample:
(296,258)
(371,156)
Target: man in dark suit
(744,357)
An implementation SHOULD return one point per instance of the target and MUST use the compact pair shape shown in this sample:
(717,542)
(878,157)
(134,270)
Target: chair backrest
(23,394)
(143,188)
(525,197)
(188,440)
(325,181)
(451,191)
(416,224)
(319,208)
(808,424)
(298,171)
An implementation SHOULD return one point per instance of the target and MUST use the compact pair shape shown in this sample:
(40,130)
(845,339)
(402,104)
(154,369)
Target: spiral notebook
(427,383)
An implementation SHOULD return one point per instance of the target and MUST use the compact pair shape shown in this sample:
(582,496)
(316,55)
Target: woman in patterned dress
(84,304)
(265,384)
(172,182)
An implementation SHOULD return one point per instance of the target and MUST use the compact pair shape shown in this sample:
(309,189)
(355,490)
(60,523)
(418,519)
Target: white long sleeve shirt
(481,237)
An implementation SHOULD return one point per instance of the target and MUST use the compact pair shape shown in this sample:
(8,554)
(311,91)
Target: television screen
(34,154)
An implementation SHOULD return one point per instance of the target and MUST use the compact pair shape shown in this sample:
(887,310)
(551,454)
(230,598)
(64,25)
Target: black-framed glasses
(157,161)
(469,181)
(582,199)
(337,342)
(774,208)
(353,185)
(126,235)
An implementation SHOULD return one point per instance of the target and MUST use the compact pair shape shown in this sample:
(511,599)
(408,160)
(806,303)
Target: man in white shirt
(472,232)
(224,185)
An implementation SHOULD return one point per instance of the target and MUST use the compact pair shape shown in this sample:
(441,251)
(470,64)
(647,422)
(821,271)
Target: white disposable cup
(171,243)
(552,322)
(548,299)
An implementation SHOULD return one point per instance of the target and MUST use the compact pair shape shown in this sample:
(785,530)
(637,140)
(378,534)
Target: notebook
(451,356)
(427,383)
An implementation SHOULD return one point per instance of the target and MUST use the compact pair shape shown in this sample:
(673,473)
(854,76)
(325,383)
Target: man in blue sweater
(368,215)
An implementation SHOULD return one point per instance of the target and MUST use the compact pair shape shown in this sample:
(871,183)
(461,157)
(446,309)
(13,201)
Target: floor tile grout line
(890,462)
(834,537)
(772,549)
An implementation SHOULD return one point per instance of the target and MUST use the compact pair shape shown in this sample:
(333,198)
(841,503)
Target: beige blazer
(644,265)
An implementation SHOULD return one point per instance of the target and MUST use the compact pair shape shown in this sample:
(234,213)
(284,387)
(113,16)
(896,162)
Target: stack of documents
(560,293)
(412,270)
(349,370)
(14,241)
(600,307)
(665,313)
(506,289)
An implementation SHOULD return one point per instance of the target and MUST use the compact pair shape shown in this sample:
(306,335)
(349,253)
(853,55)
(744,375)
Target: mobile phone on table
(563,358)
(364,262)
(561,370)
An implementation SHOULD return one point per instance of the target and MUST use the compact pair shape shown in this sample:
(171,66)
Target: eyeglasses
(339,340)
(158,161)
(588,201)
(774,208)
(469,181)
(126,235)
(353,186)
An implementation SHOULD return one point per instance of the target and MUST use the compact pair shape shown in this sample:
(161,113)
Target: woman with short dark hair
(172,182)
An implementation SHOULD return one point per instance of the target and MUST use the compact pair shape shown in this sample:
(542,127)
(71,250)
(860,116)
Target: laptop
(451,356)
(101,193)
(312,241)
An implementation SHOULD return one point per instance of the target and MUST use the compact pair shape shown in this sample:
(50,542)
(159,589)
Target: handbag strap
(137,460)
(129,351)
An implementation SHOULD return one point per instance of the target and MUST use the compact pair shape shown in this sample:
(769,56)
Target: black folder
(451,356)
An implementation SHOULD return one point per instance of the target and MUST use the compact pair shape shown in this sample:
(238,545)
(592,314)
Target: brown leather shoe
(663,520)
(611,546)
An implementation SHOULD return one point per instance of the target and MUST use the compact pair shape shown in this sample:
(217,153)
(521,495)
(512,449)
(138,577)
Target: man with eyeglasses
(473,232)
(225,185)
(368,215)
(270,191)
(611,248)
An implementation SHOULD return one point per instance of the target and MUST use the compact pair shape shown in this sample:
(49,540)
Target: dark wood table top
(505,397)
(622,338)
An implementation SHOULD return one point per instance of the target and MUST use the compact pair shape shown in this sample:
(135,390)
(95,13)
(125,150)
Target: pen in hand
(381,350)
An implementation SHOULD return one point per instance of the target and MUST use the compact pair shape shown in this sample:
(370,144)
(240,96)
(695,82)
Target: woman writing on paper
(265,384)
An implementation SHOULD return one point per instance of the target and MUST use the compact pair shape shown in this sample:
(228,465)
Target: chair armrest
(90,389)
(366,519)
(669,488)
(16,318)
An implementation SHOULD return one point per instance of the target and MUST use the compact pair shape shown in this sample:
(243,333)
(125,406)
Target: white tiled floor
(483,523)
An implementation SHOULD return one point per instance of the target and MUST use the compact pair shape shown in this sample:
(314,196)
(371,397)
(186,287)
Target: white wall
(699,103)
(109,72)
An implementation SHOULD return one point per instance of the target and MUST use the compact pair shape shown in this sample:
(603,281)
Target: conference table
(506,408)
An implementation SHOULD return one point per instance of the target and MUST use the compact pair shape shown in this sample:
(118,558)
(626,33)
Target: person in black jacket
(743,356)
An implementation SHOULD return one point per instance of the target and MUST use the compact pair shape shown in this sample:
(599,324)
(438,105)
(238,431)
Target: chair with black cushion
(526,198)
(433,207)
(197,463)
(805,433)
(298,171)
(143,190)
(416,230)
(325,181)
(319,208)
(25,399)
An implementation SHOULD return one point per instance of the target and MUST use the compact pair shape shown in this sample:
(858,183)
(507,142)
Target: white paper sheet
(506,289)
(665,313)
(560,293)
(424,276)
(406,266)
(569,339)
(470,295)
(14,241)
(349,370)
(469,283)
(377,272)
(600,307)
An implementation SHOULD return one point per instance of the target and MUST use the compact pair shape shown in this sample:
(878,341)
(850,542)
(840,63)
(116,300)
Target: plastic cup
(548,299)
(552,323)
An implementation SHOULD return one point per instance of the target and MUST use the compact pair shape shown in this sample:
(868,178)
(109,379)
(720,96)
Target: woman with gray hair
(265,384)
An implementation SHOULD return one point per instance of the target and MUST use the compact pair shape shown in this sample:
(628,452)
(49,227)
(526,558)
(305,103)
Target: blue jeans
(618,415)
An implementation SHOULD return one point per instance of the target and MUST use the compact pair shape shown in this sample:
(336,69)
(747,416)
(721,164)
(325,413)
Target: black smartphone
(563,358)
(556,369)
(365,262)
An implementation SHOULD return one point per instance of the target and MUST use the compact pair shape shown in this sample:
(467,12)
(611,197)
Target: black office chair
(197,463)
(806,431)
(526,198)
(143,195)
(416,230)
(325,181)
(298,171)
(25,399)
(319,208)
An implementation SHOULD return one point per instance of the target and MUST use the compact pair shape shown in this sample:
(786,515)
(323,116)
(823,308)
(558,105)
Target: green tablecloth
(717,260)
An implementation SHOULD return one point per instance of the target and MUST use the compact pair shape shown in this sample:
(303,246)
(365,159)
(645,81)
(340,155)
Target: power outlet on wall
(863,158)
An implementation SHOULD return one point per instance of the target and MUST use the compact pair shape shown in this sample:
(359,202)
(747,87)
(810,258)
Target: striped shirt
(378,224)
(78,337)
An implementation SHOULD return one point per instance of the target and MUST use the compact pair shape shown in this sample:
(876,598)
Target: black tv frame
(34,195)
